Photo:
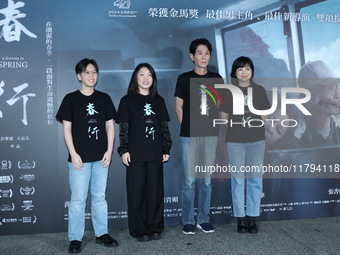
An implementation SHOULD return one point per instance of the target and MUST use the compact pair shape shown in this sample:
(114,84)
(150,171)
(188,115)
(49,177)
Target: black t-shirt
(251,131)
(88,115)
(190,88)
(145,115)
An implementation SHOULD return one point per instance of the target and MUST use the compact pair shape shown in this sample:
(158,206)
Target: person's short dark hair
(239,63)
(201,41)
(133,85)
(82,64)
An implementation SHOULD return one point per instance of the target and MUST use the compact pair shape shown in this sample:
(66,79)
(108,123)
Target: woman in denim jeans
(245,145)
(88,117)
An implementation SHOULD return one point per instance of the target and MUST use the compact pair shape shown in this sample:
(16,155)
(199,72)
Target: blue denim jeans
(246,185)
(196,151)
(92,175)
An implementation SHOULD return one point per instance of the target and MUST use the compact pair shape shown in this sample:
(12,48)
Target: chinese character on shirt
(147,109)
(90,109)
(92,131)
(150,131)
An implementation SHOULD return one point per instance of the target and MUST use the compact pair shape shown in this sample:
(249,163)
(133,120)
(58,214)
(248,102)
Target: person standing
(245,145)
(198,137)
(145,144)
(88,117)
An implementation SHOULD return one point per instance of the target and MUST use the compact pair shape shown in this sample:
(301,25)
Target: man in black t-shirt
(198,137)
(88,122)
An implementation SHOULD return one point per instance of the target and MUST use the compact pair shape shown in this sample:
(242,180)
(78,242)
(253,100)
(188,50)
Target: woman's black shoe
(107,240)
(74,247)
(252,228)
(143,238)
(155,236)
(242,225)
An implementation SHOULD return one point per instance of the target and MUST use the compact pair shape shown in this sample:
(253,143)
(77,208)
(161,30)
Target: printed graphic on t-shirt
(90,109)
(150,132)
(206,90)
(246,118)
(149,129)
(92,131)
(204,106)
(148,109)
(245,100)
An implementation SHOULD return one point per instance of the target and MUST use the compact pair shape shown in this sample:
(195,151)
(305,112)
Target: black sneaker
(206,227)
(189,229)
(107,240)
(74,247)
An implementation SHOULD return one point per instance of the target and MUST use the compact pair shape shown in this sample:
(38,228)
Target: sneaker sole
(188,233)
(205,231)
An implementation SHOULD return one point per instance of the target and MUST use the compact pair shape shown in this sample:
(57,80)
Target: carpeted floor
(307,236)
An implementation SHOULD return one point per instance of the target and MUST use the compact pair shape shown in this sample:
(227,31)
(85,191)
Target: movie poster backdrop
(41,41)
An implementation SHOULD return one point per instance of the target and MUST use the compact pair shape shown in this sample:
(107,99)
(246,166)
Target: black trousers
(145,197)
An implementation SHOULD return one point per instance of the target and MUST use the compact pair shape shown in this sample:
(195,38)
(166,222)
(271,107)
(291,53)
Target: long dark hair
(239,63)
(133,85)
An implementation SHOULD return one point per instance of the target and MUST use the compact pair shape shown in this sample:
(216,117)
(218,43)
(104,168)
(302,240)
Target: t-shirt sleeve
(179,87)
(165,114)
(65,110)
(111,112)
(123,111)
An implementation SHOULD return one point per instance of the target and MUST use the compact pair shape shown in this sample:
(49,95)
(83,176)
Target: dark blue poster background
(41,41)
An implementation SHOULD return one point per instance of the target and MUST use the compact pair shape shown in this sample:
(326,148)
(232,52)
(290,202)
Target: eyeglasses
(90,72)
